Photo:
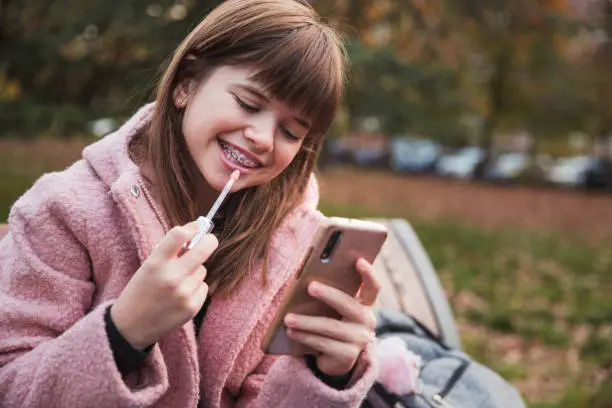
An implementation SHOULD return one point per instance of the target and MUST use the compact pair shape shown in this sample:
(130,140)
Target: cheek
(206,118)
(201,130)
(285,156)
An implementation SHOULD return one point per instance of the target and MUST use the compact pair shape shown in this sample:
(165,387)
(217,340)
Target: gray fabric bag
(448,378)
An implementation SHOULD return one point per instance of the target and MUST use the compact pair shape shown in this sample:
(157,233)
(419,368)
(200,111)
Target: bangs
(303,69)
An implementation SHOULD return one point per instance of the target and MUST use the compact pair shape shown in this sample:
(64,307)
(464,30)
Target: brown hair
(300,61)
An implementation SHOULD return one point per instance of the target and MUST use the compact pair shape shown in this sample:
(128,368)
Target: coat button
(135,190)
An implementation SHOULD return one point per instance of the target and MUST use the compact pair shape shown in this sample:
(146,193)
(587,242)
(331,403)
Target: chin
(214,179)
(217,183)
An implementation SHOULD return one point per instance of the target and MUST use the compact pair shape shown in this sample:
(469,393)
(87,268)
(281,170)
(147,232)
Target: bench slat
(401,286)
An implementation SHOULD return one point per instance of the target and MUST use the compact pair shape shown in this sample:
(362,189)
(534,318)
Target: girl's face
(230,124)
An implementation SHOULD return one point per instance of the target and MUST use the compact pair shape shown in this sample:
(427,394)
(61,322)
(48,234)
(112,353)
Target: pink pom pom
(399,367)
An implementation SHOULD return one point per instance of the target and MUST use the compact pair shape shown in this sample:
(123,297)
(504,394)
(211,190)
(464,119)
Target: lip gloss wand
(205,224)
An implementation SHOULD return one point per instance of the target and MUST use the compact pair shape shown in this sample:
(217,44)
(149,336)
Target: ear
(182,92)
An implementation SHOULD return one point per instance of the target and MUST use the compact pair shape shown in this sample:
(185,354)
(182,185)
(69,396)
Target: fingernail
(361,263)
(314,288)
(289,319)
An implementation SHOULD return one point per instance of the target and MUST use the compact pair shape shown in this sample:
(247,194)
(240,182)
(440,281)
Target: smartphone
(331,259)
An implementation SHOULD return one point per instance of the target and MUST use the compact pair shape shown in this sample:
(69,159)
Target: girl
(99,307)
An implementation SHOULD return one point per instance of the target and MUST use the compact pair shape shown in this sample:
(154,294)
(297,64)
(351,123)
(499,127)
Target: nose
(260,136)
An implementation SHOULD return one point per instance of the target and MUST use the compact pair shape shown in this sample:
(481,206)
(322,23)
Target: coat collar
(109,156)
(110,160)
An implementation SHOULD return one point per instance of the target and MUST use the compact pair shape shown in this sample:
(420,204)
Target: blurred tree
(426,66)
(403,72)
(499,60)
(599,69)
(513,42)
(78,61)
(403,97)
(3,20)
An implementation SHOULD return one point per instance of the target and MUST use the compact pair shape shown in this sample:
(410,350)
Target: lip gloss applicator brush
(205,224)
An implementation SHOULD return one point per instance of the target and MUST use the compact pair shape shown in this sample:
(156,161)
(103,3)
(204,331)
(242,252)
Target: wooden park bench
(409,281)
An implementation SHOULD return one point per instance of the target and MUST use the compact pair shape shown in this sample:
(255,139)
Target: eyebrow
(260,94)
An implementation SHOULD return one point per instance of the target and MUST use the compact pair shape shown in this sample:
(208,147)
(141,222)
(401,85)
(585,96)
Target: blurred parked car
(460,164)
(570,171)
(102,127)
(507,166)
(413,154)
(339,153)
(371,156)
(599,175)
(362,149)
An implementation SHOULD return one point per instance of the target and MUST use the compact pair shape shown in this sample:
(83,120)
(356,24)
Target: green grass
(22,163)
(532,284)
(540,287)
(14,185)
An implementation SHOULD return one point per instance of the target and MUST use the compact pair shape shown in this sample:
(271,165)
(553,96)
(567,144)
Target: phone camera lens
(331,245)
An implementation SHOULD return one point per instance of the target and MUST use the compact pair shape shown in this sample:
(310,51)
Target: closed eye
(245,106)
(289,135)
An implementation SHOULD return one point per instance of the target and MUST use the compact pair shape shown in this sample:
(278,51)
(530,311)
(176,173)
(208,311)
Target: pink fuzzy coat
(75,240)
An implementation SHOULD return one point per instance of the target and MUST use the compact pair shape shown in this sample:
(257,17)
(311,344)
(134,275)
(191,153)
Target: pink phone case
(359,239)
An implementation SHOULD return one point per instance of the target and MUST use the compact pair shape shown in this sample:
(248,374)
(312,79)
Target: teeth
(235,156)
(245,161)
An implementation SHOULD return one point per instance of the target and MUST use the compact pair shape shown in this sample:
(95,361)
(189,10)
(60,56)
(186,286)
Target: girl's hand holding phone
(168,289)
(340,342)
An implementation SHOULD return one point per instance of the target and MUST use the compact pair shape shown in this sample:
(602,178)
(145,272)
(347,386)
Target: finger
(174,239)
(343,331)
(349,307)
(199,297)
(339,350)
(370,288)
(195,278)
(200,253)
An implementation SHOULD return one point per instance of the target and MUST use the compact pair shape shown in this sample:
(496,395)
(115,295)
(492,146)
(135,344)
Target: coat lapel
(229,322)
(109,158)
